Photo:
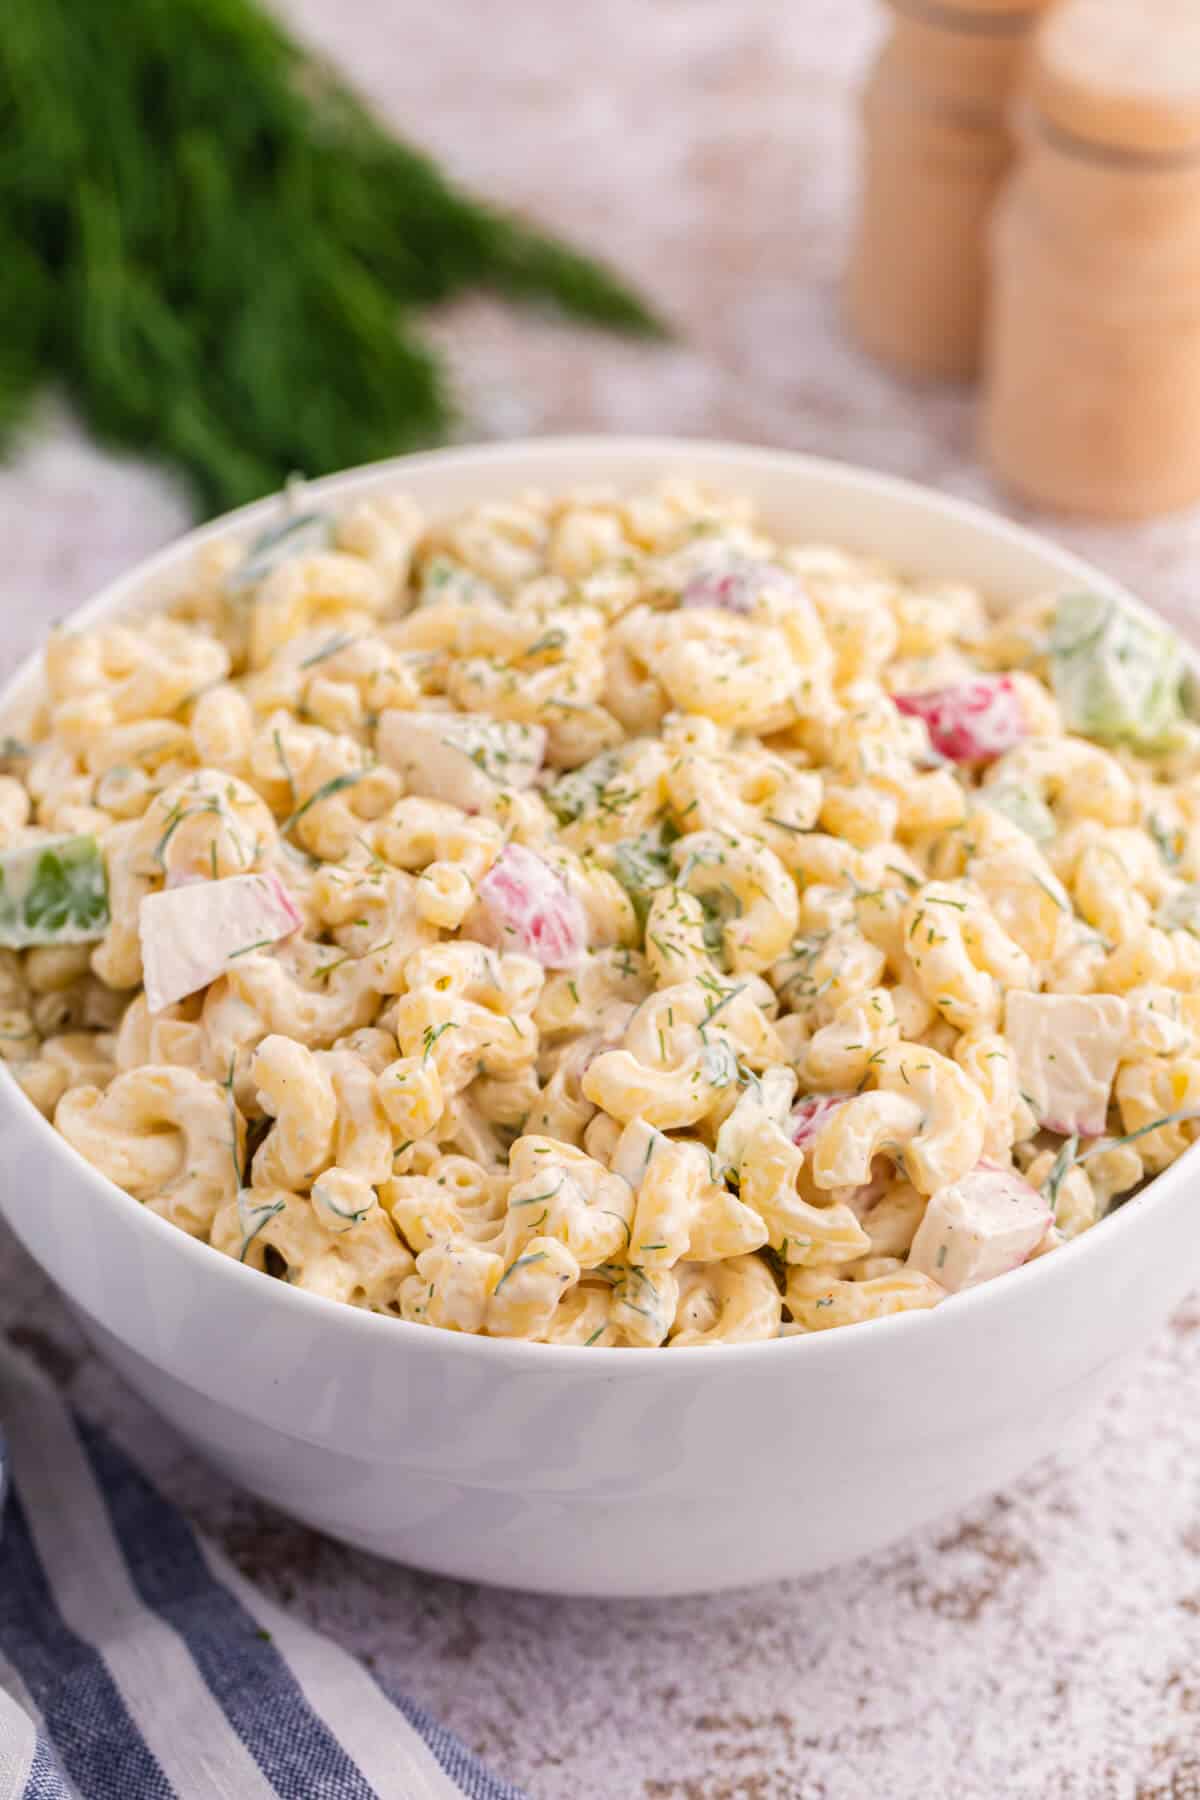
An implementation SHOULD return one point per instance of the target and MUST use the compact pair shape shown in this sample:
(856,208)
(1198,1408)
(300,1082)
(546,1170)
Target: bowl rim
(131,592)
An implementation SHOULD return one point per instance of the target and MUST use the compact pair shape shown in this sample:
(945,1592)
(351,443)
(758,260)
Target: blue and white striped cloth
(137,1664)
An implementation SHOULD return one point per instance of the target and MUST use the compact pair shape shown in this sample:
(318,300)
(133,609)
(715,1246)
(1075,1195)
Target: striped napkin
(137,1664)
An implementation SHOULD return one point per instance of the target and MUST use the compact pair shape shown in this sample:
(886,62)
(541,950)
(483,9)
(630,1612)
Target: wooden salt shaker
(937,147)
(1092,399)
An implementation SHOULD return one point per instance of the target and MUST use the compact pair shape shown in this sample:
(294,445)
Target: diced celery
(53,892)
(1117,676)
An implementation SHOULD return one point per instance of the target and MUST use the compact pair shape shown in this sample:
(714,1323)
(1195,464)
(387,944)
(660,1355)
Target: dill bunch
(208,239)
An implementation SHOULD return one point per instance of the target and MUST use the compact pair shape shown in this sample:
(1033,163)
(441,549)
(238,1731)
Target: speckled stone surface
(1048,1642)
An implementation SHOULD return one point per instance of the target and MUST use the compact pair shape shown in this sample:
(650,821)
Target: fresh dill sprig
(217,250)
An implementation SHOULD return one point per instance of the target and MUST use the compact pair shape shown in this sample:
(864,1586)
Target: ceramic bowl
(590,1472)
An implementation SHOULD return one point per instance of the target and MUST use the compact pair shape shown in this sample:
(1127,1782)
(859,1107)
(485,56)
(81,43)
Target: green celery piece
(53,892)
(1116,675)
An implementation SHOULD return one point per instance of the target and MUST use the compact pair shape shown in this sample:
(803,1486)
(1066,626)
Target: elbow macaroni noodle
(662,893)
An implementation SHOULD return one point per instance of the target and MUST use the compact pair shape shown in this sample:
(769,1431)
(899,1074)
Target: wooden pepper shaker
(937,146)
(1092,397)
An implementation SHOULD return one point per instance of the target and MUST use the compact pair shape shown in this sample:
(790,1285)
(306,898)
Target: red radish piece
(191,934)
(1067,1048)
(523,904)
(732,586)
(975,721)
(811,1114)
(986,1224)
(461,758)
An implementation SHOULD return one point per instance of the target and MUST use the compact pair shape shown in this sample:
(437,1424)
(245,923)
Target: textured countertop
(1048,1642)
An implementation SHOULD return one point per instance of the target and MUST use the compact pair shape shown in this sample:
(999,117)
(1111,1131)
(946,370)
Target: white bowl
(594,1472)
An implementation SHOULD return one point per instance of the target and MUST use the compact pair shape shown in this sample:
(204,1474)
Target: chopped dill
(522,1262)
(431,1034)
(340,641)
(195,205)
(1059,1168)
(1187,1116)
(337,785)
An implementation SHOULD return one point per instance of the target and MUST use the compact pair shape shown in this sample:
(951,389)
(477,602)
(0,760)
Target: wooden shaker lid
(1121,74)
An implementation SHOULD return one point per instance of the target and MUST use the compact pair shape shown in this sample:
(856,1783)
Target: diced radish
(461,758)
(983,1225)
(733,585)
(811,1114)
(1067,1047)
(523,904)
(191,934)
(974,721)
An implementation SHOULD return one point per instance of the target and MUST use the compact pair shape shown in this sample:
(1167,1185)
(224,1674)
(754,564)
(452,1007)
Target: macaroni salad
(590,921)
